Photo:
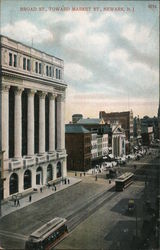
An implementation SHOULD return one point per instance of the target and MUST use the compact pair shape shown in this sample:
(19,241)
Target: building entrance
(39,176)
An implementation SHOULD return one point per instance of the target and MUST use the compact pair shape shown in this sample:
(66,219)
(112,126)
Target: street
(97,215)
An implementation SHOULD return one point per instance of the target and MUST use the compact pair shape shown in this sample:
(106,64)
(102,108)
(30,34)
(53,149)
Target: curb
(19,208)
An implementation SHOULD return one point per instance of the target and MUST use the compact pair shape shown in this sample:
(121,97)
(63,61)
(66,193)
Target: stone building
(126,120)
(32,130)
(118,141)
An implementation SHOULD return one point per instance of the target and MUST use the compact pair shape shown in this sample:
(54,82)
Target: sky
(110,50)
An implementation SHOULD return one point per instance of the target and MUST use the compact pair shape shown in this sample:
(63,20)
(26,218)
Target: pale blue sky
(111,58)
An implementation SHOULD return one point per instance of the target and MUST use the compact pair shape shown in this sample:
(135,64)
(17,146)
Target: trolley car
(124,181)
(48,235)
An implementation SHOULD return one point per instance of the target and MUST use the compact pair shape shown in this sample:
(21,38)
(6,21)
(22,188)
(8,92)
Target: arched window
(27,179)
(59,170)
(13,184)
(49,173)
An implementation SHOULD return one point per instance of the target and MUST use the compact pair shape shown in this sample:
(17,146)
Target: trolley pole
(136,225)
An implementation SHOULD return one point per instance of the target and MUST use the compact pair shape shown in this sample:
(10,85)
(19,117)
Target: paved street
(106,228)
(15,227)
(97,217)
(111,227)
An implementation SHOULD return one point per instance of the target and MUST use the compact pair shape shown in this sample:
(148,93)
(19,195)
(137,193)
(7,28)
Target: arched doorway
(27,179)
(59,170)
(49,173)
(13,184)
(39,176)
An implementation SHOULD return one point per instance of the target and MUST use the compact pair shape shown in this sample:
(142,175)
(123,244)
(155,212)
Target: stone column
(18,123)
(60,123)
(51,122)
(4,119)
(30,123)
(42,122)
(64,168)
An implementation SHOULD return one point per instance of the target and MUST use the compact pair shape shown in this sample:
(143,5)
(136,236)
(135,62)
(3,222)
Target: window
(40,68)
(56,73)
(28,64)
(50,71)
(59,74)
(24,63)
(15,60)
(10,59)
(47,70)
(36,66)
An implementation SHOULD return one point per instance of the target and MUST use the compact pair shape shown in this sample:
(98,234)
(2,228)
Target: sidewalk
(9,207)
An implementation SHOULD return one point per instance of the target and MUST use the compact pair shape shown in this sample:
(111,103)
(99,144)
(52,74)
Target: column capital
(42,94)
(4,88)
(52,96)
(61,97)
(19,90)
(31,92)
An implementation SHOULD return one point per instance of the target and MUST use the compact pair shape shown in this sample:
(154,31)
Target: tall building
(159,114)
(32,130)
(125,119)
(78,145)
(159,103)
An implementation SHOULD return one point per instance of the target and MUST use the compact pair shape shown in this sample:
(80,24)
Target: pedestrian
(109,181)
(41,189)
(30,198)
(84,173)
(75,173)
(15,202)
(65,181)
(68,181)
(18,203)
(55,188)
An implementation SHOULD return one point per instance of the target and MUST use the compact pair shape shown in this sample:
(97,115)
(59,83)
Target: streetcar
(47,236)
(123,181)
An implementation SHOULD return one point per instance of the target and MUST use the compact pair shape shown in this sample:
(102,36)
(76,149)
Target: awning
(111,156)
(105,157)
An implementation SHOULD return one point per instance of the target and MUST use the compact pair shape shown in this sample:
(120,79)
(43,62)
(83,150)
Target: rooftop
(75,129)
(91,121)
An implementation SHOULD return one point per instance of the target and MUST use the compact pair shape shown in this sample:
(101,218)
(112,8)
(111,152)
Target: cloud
(74,71)
(24,30)
(109,58)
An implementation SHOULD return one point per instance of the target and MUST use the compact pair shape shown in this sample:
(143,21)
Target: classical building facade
(32,130)
(118,141)
(126,120)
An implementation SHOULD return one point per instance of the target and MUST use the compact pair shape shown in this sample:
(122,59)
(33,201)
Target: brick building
(78,146)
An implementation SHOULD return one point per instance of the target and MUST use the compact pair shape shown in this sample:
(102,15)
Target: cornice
(3,44)
(53,83)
